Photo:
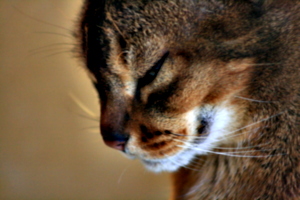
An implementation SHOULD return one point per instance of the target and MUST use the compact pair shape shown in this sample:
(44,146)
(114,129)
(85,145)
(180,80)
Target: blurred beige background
(49,147)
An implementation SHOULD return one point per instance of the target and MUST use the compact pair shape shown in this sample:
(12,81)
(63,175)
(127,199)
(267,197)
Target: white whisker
(246,147)
(254,100)
(82,106)
(42,21)
(232,154)
(58,53)
(121,175)
(91,127)
(181,135)
(57,49)
(54,33)
(252,124)
(89,117)
(52,45)
(191,164)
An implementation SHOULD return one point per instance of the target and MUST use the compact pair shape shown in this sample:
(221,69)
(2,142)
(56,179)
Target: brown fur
(241,54)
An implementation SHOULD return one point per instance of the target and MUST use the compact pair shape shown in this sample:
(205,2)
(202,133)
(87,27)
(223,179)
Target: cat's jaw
(169,164)
(172,163)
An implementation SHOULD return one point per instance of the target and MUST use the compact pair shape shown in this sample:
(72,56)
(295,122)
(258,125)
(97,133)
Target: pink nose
(119,145)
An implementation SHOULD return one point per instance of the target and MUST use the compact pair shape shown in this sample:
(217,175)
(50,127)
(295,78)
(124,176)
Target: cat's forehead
(137,19)
(145,30)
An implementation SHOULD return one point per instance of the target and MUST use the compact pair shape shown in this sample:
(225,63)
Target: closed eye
(152,72)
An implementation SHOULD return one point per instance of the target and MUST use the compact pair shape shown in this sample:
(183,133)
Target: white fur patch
(183,158)
(130,87)
(219,126)
(171,163)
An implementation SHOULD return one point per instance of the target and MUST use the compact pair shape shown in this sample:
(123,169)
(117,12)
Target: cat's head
(170,75)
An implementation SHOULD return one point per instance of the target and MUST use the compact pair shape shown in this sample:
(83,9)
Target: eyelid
(160,62)
(153,71)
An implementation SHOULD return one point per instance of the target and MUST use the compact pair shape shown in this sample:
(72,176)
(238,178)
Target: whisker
(59,49)
(192,145)
(82,106)
(58,53)
(188,166)
(232,154)
(91,127)
(195,164)
(262,120)
(88,117)
(86,131)
(54,33)
(41,21)
(254,100)
(52,45)
(121,175)
(246,147)
(180,135)
(252,124)
(231,148)
(231,135)
(182,140)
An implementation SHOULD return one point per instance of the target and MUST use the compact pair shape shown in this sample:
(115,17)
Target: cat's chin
(170,164)
(160,165)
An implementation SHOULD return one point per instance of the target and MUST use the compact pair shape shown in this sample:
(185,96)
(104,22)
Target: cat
(205,89)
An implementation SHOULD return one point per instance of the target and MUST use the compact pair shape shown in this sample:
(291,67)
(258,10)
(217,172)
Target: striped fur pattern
(205,89)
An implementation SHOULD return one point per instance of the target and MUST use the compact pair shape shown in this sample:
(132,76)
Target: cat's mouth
(207,132)
(168,163)
(187,148)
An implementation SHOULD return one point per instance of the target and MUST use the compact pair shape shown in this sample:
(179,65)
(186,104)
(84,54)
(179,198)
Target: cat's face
(168,86)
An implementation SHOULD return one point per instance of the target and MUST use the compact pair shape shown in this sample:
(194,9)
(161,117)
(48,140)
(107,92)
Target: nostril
(119,145)
(116,140)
